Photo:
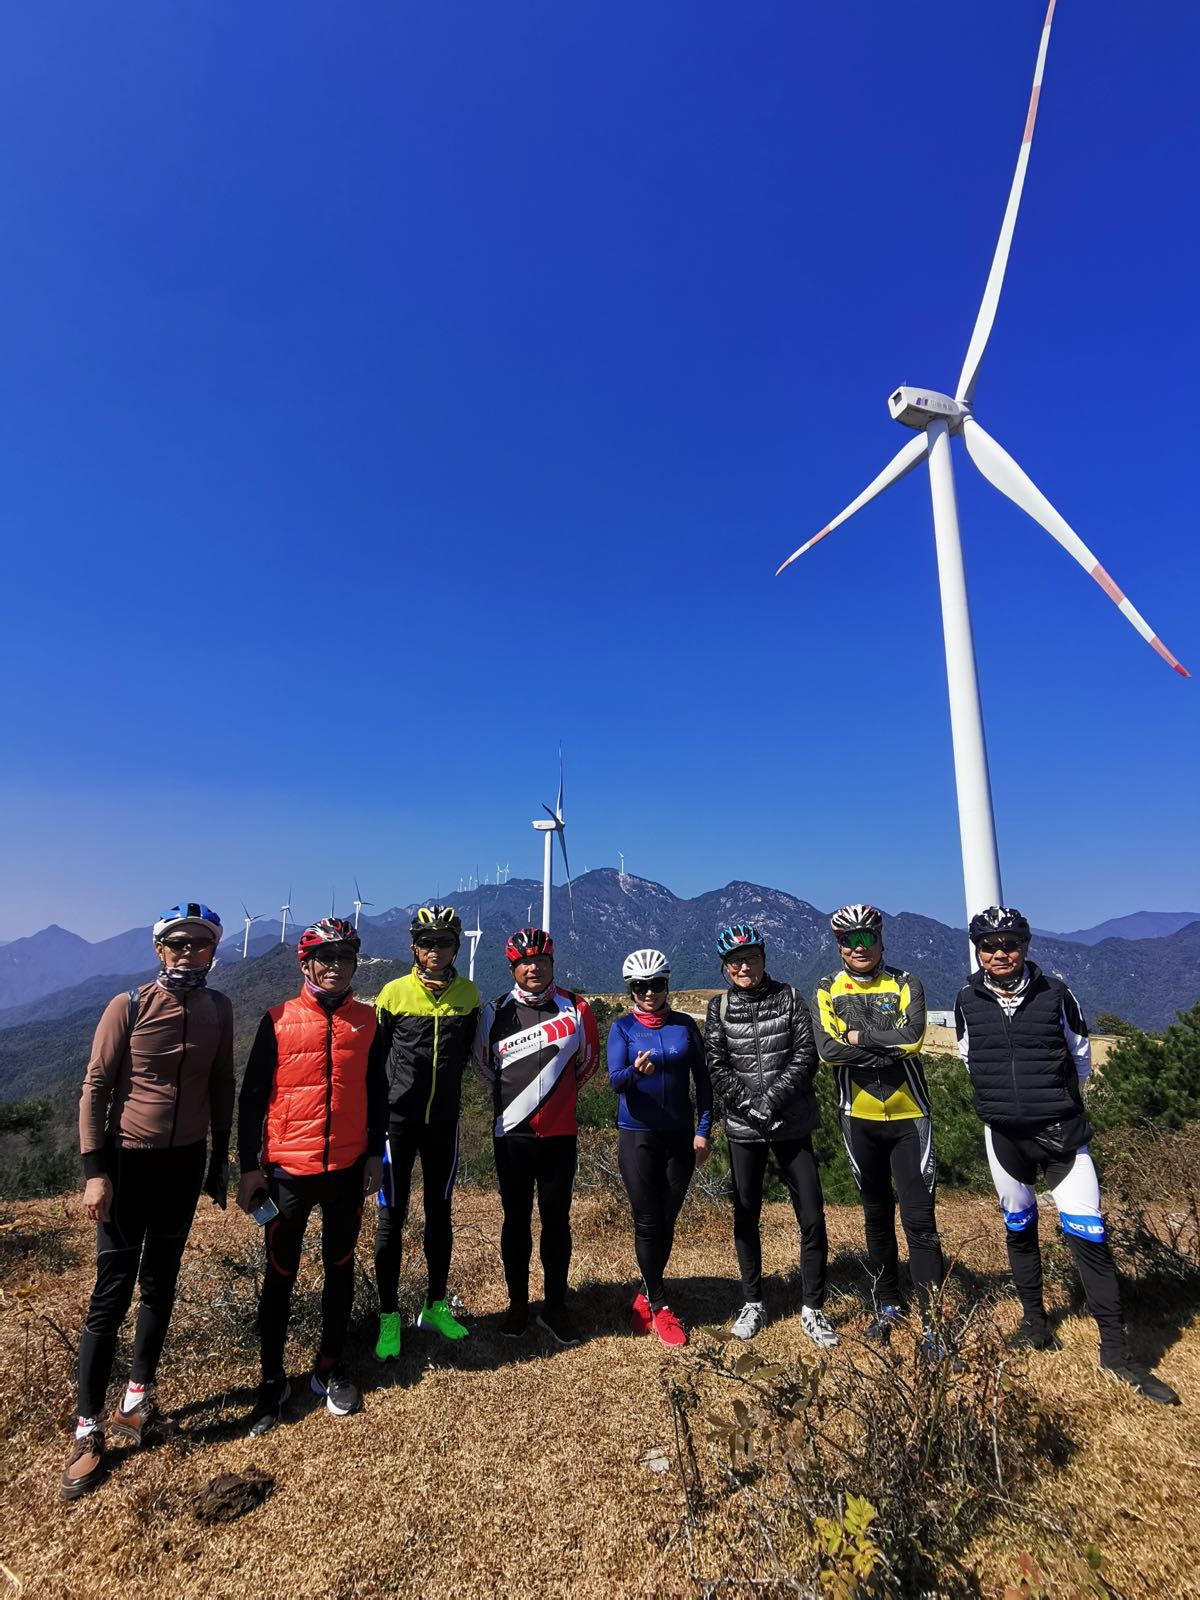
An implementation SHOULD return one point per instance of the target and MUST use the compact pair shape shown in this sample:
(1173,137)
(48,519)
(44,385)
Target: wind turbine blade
(554,817)
(1003,473)
(558,810)
(562,841)
(902,462)
(995,282)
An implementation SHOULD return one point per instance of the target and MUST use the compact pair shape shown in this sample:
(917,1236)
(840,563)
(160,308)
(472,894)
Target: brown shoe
(143,1425)
(86,1466)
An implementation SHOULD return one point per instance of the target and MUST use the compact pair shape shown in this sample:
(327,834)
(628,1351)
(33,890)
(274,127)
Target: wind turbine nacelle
(545,827)
(917,408)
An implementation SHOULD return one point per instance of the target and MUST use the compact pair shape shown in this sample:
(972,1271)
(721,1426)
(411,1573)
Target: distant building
(940,1019)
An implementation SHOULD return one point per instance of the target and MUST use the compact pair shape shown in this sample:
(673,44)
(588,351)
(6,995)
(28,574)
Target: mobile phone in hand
(264,1208)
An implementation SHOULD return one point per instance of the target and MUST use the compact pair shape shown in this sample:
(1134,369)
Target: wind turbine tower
(359,903)
(286,908)
(555,825)
(246,936)
(474,935)
(936,418)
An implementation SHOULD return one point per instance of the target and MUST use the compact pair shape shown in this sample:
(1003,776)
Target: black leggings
(525,1163)
(154,1201)
(340,1197)
(437,1145)
(798,1168)
(656,1169)
(901,1153)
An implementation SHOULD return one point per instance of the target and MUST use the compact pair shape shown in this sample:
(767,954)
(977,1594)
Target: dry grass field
(514,1469)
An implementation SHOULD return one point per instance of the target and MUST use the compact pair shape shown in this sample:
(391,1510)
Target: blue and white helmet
(190,915)
(739,936)
(642,964)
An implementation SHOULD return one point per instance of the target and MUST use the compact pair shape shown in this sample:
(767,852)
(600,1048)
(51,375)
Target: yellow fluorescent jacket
(882,1077)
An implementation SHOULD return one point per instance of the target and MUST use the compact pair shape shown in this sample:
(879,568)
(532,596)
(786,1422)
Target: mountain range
(55,974)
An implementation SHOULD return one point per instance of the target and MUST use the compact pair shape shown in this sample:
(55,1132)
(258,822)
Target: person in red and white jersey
(535,1046)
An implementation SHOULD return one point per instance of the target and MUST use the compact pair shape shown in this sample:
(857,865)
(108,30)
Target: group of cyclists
(339,1099)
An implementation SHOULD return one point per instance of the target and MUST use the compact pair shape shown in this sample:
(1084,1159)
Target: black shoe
(1125,1370)
(881,1324)
(340,1391)
(515,1320)
(273,1395)
(1035,1335)
(558,1324)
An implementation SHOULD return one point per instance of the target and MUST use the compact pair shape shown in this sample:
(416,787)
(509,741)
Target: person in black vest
(1025,1044)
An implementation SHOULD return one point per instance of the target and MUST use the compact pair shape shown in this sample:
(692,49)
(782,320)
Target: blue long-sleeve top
(660,1101)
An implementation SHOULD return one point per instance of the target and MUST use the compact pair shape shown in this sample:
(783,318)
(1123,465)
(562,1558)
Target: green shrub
(1151,1078)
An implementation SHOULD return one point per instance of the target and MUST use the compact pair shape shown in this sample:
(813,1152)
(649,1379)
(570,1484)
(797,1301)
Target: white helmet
(645,964)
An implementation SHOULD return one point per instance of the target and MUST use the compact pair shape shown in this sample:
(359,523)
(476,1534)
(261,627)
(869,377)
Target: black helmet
(436,919)
(998,919)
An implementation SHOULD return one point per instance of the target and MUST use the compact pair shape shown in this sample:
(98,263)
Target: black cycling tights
(154,1201)
(798,1168)
(437,1145)
(901,1153)
(526,1165)
(656,1169)
(340,1197)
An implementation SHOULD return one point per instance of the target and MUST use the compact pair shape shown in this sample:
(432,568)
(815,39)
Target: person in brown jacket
(160,1073)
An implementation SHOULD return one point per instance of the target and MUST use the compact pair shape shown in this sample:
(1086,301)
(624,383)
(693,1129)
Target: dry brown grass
(501,1469)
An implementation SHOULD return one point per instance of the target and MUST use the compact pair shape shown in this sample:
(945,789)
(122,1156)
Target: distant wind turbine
(935,417)
(286,908)
(556,825)
(474,935)
(359,903)
(246,937)
(499,870)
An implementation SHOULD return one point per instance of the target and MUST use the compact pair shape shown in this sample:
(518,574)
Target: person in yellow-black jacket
(428,1018)
(869,1022)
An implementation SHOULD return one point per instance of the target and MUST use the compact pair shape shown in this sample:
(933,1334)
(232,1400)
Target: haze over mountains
(1145,978)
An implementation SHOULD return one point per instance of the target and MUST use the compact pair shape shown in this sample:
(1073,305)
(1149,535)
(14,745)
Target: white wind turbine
(936,417)
(246,936)
(556,825)
(474,935)
(286,908)
(499,870)
(359,903)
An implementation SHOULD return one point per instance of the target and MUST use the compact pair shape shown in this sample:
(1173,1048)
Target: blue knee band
(1084,1227)
(1020,1221)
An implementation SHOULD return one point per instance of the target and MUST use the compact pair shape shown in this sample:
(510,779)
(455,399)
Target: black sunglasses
(1007,944)
(435,944)
(180,945)
(648,986)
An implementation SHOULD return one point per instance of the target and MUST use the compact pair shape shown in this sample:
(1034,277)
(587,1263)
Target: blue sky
(395,391)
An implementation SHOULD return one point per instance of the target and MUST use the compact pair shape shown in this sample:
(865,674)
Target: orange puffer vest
(317,1115)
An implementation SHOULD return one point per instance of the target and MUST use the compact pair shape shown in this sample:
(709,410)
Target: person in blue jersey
(655,1057)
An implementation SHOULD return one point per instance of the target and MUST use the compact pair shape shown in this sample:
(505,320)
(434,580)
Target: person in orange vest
(312,1118)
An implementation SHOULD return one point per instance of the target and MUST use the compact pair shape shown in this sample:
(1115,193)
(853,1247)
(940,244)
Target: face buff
(177,980)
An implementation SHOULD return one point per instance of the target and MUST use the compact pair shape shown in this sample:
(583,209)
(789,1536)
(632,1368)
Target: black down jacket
(762,1060)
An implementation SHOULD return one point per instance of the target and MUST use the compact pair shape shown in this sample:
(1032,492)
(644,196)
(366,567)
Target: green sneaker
(387,1346)
(440,1319)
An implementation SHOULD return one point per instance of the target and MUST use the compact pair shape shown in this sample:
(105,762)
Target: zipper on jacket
(757,1046)
(433,1074)
(179,1075)
(328,1086)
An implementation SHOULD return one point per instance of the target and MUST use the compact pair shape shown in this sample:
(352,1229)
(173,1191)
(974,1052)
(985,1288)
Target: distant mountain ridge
(1137,925)
(1144,979)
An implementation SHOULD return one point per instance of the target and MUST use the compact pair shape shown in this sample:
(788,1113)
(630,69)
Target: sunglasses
(648,986)
(334,958)
(990,946)
(180,945)
(749,959)
(435,944)
(860,939)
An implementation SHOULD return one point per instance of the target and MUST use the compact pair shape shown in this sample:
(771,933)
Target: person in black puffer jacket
(758,1041)
(1024,1041)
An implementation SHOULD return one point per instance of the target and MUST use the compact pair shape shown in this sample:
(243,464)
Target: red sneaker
(641,1318)
(669,1328)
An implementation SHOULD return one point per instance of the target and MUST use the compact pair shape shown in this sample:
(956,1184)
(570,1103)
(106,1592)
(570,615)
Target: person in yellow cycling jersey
(428,1019)
(869,1022)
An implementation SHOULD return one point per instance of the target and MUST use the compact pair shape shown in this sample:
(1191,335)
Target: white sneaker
(751,1319)
(819,1328)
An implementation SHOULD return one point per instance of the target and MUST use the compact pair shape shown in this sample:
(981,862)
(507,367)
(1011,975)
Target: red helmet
(330,930)
(528,942)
